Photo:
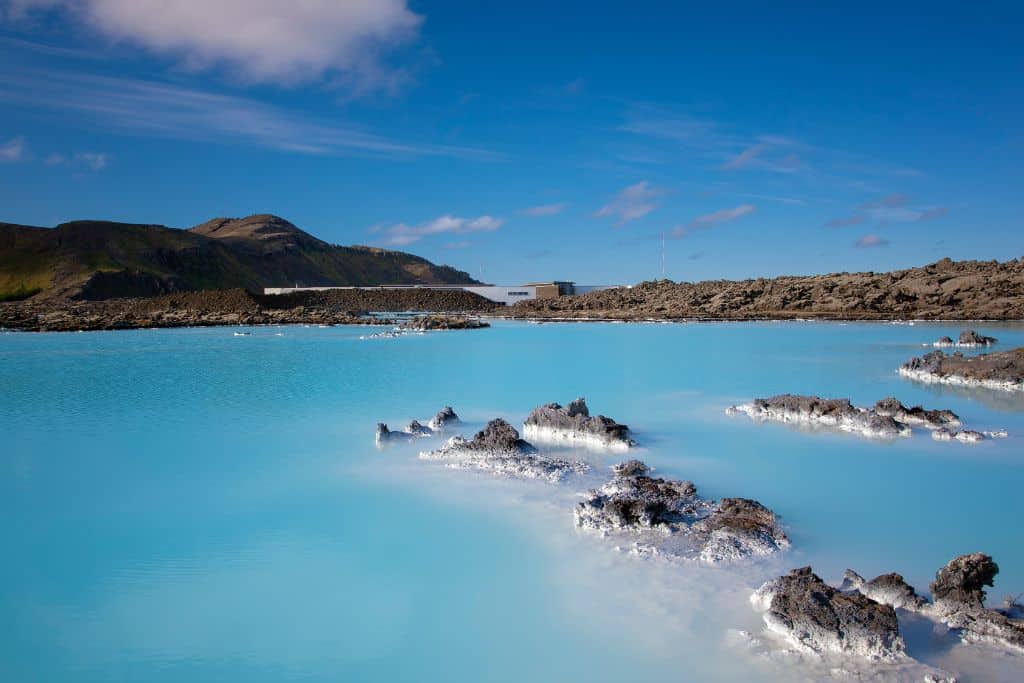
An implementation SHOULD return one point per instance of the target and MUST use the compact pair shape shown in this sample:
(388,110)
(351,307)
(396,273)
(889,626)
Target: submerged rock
(958,593)
(575,424)
(916,415)
(968,338)
(817,617)
(837,413)
(888,589)
(633,501)
(499,449)
(1003,370)
(445,417)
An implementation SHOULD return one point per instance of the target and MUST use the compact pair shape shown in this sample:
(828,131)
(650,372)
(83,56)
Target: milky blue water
(189,505)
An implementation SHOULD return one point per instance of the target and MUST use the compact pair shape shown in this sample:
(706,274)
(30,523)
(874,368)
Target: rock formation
(967,339)
(916,416)
(888,589)
(633,501)
(575,424)
(1002,370)
(445,418)
(426,323)
(958,593)
(813,410)
(817,617)
(499,449)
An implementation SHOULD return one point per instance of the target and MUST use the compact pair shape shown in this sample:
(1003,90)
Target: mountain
(102,260)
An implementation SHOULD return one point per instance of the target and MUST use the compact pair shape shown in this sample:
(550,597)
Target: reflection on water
(191,505)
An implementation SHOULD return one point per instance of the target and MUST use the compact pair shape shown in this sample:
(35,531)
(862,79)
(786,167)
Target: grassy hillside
(100,260)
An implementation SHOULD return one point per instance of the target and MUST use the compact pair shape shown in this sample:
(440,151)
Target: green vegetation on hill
(102,260)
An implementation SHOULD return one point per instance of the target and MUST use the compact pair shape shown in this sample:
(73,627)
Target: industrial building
(501,294)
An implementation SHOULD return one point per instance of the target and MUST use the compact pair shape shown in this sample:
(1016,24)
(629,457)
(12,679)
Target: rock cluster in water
(1002,370)
(499,449)
(633,501)
(817,617)
(836,413)
(860,616)
(415,429)
(967,339)
(574,423)
(427,323)
(889,418)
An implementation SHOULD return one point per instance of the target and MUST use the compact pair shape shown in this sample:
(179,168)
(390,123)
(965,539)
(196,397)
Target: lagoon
(193,505)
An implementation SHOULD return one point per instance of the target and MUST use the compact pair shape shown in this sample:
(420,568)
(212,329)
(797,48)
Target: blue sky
(532,140)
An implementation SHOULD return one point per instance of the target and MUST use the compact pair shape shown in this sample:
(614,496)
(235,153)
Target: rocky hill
(963,290)
(96,260)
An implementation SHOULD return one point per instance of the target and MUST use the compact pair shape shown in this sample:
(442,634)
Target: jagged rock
(944,341)
(959,598)
(888,589)
(631,468)
(415,429)
(931,419)
(633,501)
(427,323)
(815,616)
(972,338)
(445,417)
(961,583)
(1003,370)
(574,423)
(962,435)
(499,449)
(740,527)
(836,413)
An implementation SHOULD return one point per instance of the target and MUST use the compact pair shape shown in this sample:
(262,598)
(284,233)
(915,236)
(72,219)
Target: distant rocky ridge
(97,260)
(945,290)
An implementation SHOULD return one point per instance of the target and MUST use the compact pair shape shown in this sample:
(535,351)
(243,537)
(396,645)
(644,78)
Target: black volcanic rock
(815,615)
(575,423)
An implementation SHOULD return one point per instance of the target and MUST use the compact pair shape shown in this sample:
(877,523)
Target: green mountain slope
(102,260)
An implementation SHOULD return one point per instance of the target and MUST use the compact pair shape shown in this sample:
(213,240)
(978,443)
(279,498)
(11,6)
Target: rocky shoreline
(234,307)
(945,290)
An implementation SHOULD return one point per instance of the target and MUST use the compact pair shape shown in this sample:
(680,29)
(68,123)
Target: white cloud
(175,112)
(633,202)
(91,160)
(711,219)
(544,210)
(13,149)
(402,234)
(260,40)
(868,241)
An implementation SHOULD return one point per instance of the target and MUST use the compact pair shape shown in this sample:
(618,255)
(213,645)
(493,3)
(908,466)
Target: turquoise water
(191,505)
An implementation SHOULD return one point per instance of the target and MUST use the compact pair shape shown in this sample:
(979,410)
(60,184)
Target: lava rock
(574,423)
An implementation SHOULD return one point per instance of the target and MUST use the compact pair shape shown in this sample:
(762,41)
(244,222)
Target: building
(507,295)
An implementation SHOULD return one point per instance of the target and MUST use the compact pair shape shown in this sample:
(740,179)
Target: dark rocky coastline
(233,307)
(427,323)
(945,290)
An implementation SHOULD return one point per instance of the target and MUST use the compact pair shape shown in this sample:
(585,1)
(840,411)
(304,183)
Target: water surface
(192,505)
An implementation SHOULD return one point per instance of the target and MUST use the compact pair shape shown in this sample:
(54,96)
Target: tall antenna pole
(662,254)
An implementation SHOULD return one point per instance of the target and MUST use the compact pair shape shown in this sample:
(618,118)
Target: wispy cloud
(258,40)
(12,150)
(770,153)
(633,202)
(402,234)
(544,210)
(892,208)
(95,161)
(711,219)
(170,111)
(869,241)
(844,222)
